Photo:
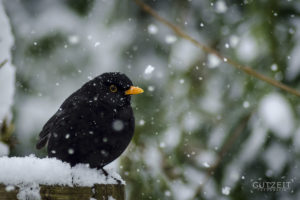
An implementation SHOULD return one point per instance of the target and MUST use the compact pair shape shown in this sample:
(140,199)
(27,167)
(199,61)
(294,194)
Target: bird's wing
(70,105)
(45,133)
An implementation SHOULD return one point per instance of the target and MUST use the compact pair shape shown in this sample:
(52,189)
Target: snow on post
(7,78)
(33,178)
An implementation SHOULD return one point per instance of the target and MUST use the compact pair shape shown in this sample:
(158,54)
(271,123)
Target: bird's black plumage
(94,125)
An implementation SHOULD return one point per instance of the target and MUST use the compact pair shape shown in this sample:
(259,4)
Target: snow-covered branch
(7,77)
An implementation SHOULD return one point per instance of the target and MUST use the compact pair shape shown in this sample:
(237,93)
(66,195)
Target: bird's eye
(113,88)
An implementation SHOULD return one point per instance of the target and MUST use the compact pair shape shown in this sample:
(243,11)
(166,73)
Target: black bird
(94,125)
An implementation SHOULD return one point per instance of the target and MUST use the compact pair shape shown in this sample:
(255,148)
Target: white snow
(253,145)
(212,101)
(118,125)
(7,71)
(293,68)
(162,145)
(10,188)
(191,121)
(274,67)
(276,113)
(248,49)
(50,171)
(206,158)
(170,39)
(6,38)
(142,122)
(73,39)
(152,29)
(296,140)
(226,190)
(29,192)
(33,114)
(167,193)
(149,69)
(184,54)
(194,176)
(151,88)
(213,61)
(234,40)
(210,190)
(4,149)
(70,151)
(275,157)
(249,151)
(246,104)
(221,7)
(205,164)
(171,137)
(97,44)
(217,136)
(181,190)
(154,159)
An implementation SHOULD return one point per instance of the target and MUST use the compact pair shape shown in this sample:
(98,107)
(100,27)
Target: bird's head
(115,89)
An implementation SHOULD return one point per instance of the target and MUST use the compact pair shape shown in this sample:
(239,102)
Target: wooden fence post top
(31,178)
(46,192)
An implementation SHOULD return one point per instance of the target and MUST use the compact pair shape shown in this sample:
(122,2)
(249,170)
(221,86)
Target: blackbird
(94,125)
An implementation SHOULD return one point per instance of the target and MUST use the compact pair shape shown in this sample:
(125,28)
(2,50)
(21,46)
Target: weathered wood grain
(98,192)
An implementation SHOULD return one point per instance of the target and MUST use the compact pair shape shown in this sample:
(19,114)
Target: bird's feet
(104,172)
(106,176)
(118,181)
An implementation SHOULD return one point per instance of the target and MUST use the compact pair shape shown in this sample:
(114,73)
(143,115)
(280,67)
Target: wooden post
(98,192)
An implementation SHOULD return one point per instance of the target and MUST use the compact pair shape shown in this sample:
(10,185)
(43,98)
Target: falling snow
(149,69)
(274,67)
(73,39)
(221,6)
(170,39)
(71,151)
(277,114)
(142,122)
(206,165)
(152,29)
(97,44)
(196,106)
(151,88)
(246,104)
(213,61)
(226,190)
(118,125)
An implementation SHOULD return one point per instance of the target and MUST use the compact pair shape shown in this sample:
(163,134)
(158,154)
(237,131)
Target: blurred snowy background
(203,129)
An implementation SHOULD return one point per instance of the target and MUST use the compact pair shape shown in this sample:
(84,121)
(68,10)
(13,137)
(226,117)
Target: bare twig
(3,63)
(248,70)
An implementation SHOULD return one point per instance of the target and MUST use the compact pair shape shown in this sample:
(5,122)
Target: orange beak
(134,90)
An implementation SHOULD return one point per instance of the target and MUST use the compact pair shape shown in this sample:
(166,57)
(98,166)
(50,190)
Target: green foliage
(82,7)
(46,45)
(6,133)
